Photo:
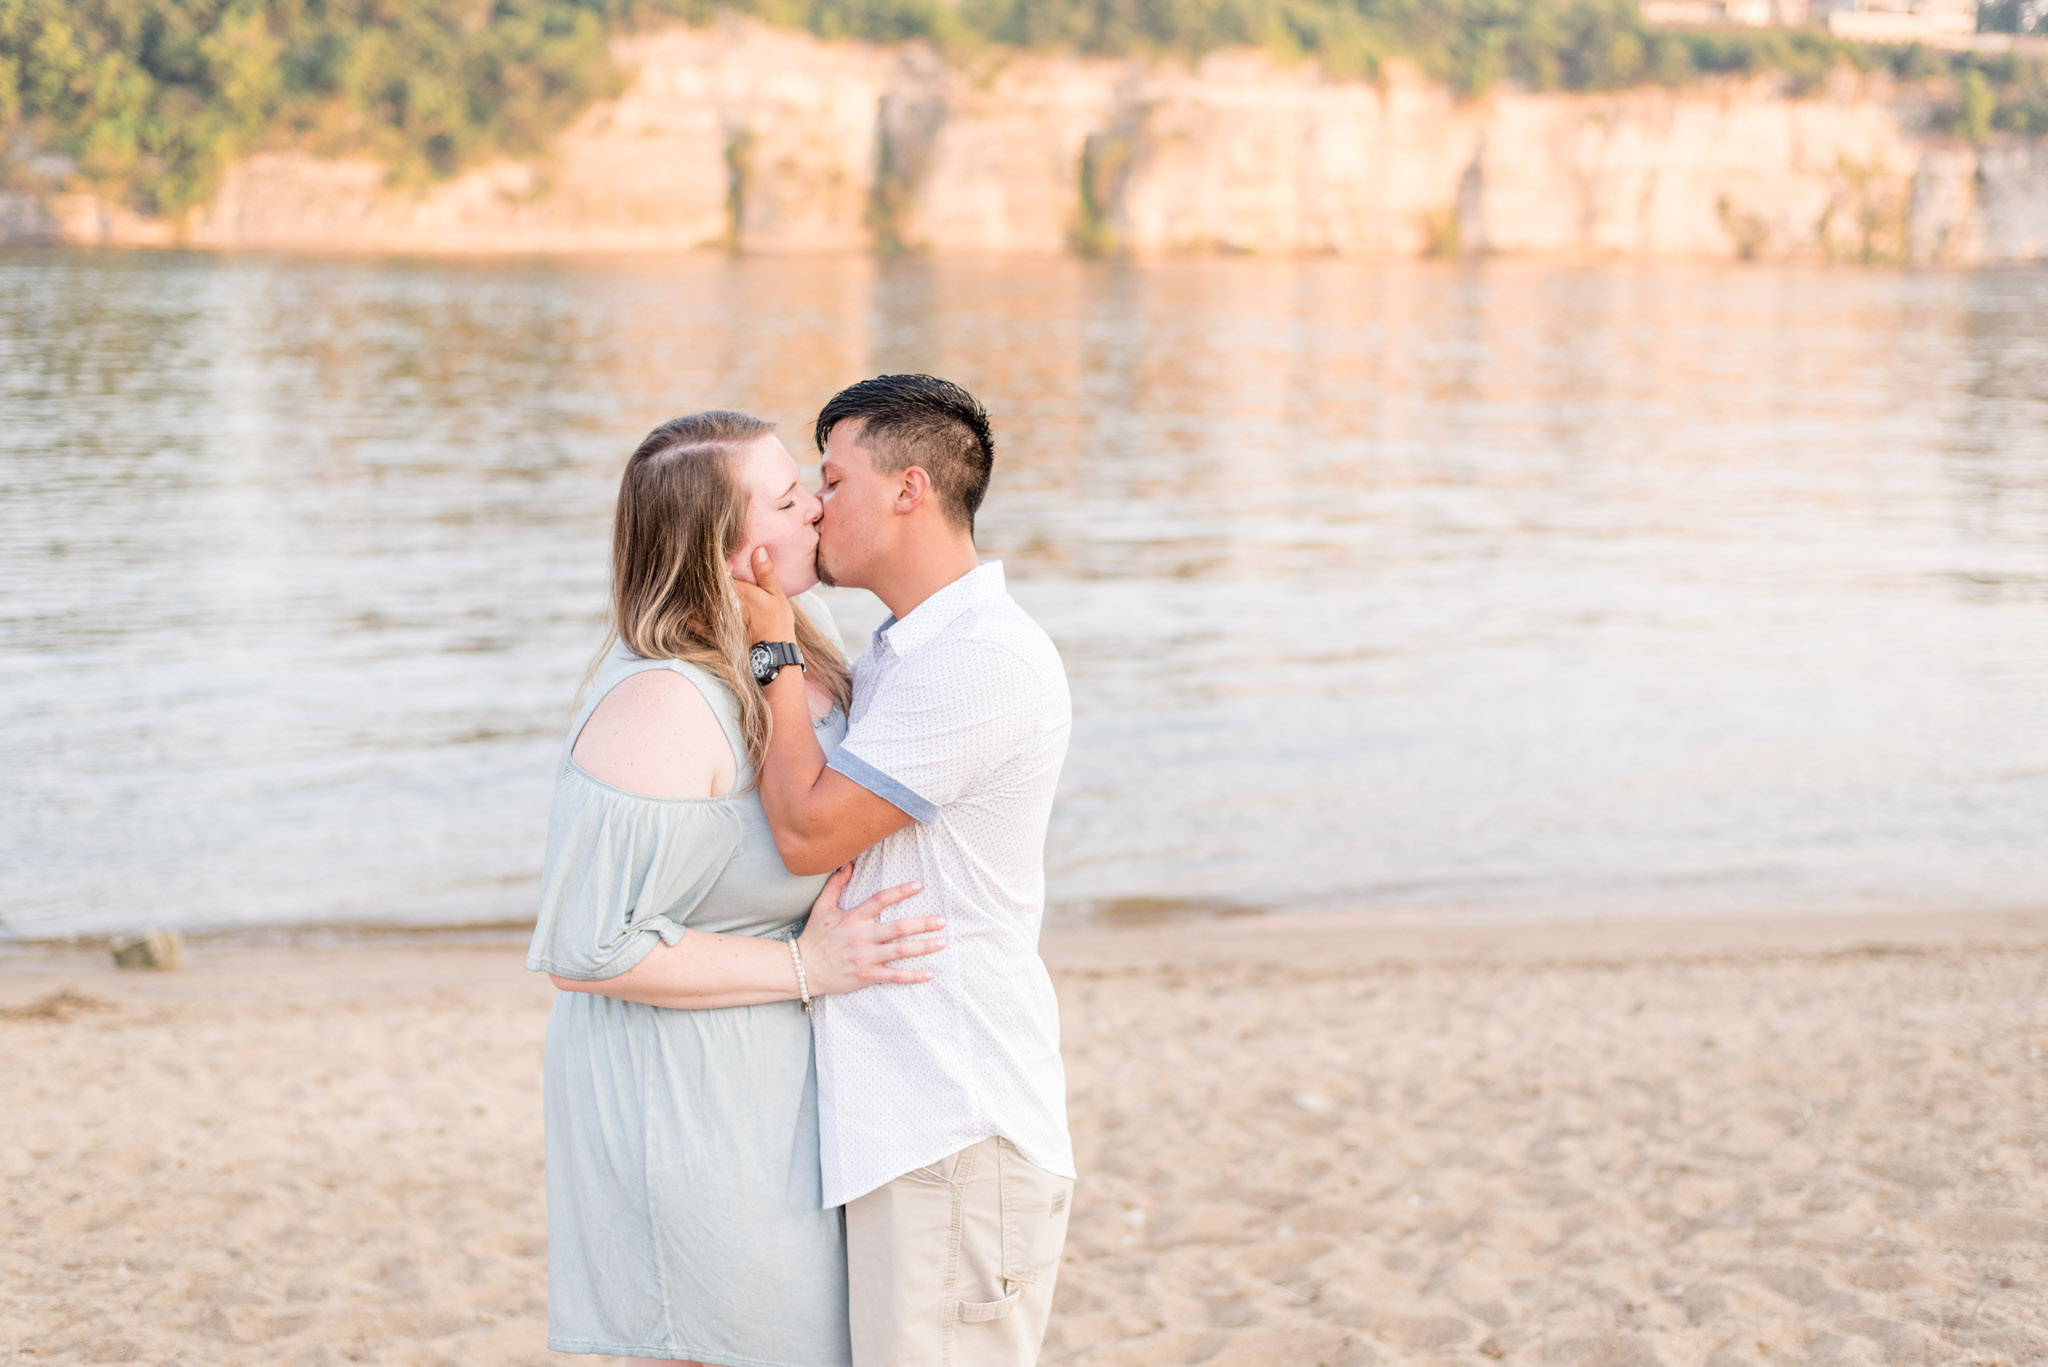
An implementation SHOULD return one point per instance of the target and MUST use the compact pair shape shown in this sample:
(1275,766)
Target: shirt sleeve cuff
(881,785)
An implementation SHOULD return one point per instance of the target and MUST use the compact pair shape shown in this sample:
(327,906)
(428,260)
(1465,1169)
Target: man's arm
(820,818)
(844,949)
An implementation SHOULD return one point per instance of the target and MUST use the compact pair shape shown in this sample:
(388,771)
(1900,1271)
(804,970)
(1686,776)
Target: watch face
(760,658)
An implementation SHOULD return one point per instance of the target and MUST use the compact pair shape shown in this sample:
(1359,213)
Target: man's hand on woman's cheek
(770,614)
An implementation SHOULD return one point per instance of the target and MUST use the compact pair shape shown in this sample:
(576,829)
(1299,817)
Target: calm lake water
(1509,592)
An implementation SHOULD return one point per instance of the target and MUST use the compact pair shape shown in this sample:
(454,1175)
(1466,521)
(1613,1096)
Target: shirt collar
(943,608)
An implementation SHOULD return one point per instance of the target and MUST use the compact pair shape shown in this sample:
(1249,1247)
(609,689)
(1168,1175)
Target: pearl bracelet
(803,988)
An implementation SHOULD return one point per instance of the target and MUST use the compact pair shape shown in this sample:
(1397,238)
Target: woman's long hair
(682,511)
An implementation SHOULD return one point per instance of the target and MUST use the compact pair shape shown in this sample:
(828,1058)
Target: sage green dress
(684,1200)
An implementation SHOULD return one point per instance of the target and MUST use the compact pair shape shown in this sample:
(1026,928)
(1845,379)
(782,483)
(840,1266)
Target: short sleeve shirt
(960,718)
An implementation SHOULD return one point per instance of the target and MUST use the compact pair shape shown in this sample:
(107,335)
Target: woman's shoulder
(624,664)
(655,733)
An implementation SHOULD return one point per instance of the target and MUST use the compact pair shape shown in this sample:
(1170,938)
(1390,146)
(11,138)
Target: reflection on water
(1502,592)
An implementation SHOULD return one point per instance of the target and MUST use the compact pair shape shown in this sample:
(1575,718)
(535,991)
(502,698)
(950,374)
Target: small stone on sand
(157,949)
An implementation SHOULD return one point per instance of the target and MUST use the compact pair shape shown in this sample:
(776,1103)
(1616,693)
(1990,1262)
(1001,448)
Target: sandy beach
(1301,1142)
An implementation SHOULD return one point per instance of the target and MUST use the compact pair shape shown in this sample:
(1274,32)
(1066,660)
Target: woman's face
(781,515)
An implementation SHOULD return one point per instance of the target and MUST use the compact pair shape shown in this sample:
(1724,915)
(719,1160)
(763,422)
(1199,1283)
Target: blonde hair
(682,511)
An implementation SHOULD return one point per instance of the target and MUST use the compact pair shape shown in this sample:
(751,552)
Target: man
(942,1105)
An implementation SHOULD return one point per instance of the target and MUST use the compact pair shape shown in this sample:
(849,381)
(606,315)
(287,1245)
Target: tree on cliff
(151,98)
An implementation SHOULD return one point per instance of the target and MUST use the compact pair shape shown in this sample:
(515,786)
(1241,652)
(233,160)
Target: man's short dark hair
(924,421)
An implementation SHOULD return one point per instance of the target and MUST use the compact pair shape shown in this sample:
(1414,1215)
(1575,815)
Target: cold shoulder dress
(684,1200)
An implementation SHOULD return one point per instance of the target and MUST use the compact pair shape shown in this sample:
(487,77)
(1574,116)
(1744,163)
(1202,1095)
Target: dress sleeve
(621,873)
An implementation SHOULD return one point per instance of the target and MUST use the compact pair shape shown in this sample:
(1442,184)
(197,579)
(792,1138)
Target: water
(1520,591)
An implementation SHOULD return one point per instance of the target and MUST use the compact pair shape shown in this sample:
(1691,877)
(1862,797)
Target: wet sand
(1302,1141)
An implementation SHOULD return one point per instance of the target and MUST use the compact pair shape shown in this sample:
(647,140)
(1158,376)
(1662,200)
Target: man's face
(854,530)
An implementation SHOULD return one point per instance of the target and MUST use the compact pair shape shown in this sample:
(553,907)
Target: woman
(684,1219)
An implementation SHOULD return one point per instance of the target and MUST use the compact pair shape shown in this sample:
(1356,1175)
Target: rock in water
(157,949)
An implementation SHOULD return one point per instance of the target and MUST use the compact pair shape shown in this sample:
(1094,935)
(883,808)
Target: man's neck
(915,573)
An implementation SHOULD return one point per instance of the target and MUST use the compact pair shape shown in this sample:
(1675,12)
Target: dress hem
(648,1350)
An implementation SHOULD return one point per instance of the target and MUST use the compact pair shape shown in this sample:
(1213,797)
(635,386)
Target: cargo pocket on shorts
(1034,1219)
(980,1312)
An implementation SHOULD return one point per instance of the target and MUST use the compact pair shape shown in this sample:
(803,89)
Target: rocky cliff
(773,141)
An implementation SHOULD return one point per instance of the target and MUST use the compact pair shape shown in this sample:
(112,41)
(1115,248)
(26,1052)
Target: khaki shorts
(953,1265)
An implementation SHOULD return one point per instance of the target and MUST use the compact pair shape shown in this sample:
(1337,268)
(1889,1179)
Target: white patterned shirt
(960,718)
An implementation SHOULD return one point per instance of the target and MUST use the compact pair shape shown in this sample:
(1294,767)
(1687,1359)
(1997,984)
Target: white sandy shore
(1302,1141)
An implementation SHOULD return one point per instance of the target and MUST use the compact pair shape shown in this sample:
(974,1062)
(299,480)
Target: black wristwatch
(769,658)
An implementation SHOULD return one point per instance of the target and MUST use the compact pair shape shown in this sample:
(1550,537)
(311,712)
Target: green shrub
(1978,106)
(152,98)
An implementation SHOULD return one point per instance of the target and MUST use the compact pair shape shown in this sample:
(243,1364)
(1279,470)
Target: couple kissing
(803,1091)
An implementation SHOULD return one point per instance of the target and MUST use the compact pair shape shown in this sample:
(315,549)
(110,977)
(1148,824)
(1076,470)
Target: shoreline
(343,252)
(1251,937)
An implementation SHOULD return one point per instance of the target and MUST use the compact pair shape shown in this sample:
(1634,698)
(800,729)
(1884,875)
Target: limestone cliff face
(739,134)
(993,159)
(773,141)
(1697,173)
(1245,155)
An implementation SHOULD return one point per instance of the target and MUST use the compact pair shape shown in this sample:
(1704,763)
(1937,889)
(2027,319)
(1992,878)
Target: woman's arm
(655,734)
(843,950)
